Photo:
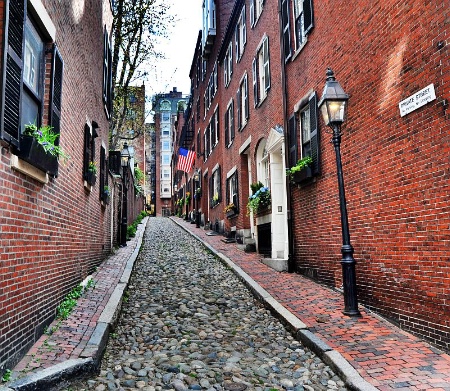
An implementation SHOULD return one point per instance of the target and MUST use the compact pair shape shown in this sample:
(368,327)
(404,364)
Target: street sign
(419,99)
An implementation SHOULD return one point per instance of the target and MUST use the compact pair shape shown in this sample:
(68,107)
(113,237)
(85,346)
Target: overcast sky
(178,49)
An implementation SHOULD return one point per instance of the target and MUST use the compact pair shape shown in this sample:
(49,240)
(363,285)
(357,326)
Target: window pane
(34,48)
(30,111)
(305,124)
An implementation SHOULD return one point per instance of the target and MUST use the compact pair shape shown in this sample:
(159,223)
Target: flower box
(303,175)
(231,213)
(91,178)
(34,153)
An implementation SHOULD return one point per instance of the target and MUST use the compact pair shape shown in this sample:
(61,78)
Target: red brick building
(57,220)
(257,76)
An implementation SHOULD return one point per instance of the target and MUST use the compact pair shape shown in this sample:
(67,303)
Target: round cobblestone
(188,323)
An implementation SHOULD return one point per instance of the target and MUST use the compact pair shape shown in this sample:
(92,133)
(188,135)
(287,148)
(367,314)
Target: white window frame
(261,71)
(240,35)
(228,65)
(256,9)
(299,25)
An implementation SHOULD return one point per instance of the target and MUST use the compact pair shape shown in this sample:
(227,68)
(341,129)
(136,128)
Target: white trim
(216,167)
(28,169)
(43,18)
(231,172)
(303,101)
(245,145)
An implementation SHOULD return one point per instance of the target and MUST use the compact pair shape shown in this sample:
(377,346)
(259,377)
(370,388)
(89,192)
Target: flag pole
(185,195)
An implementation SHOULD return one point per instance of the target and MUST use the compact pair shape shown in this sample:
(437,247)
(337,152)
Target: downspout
(291,263)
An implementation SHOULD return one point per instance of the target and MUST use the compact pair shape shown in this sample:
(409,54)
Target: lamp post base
(349,280)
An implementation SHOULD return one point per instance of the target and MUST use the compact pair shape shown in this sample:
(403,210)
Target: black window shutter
(286,29)
(219,178)
(56,90)
(103,182)
(227,125)
(227,191)
(216,119)
(293,143)
(246,108)
(236,191)
(238,108)
(211,188)
(308,15)
(87,150)
(232,120)
(12,84)
(315,144)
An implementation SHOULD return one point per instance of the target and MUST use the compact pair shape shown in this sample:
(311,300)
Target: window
(304,134)
(165,130)
(165,116)
(261,72)
(215,191)
(286,28)
(262,158)
(107,74)
(242,103)
(303,21)
(240,35)
(198,109)
(228,65)
(28,54)
(103,174)
(165,146)
(165,158)
(256,7)
(232,190)
(165,174)
(199,145)
(229,124)
(90,134)
(212,133)
(211,89)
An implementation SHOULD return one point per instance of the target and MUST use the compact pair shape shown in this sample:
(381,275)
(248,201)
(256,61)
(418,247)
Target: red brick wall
(396,168)
(53,235)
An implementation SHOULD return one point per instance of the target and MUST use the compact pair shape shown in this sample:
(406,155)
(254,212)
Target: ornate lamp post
(125,159)
(197,186)
(333,106)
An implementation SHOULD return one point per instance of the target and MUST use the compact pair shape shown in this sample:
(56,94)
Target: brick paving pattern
(384,355)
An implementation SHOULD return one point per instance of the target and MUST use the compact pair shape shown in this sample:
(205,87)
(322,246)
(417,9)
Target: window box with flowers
(91,175)
(106,195)
(187,199)
(39,148)
(230,210)
(302,171)
(260,200)
(215,200)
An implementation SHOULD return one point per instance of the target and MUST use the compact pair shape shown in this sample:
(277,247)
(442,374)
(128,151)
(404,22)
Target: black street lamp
(125,158)
(196,195)
(333,106)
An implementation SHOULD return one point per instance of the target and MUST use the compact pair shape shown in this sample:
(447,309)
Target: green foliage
(47,138)
(92,167)
(260,198)
(132,228)
(301,164)
(65,308)
(138,175)
(6,376)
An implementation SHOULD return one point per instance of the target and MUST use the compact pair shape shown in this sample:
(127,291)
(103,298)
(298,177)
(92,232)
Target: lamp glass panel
(336,111)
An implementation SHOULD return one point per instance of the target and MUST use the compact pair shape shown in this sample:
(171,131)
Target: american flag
(185,160)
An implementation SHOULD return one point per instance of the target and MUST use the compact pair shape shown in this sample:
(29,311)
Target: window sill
(28,169)
(297,52)
(87,186)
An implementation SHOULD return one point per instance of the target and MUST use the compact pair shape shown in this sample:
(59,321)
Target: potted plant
(230,210)
(260,199)
(91,175)
(302,171)
(198,192)
(39,148)
(106,194)
(188,198)
(215,200)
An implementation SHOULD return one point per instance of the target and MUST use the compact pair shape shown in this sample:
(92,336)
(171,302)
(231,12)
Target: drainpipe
(291,263)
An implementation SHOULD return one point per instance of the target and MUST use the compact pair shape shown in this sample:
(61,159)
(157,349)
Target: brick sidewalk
(384,355)
(70,339)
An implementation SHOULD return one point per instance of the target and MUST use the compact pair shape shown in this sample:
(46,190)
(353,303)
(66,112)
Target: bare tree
(136,26)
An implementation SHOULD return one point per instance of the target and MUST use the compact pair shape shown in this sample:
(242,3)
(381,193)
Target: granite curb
(331,357)
(91,355)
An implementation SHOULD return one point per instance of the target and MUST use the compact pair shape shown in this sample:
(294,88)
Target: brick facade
(395,168)
(56,229)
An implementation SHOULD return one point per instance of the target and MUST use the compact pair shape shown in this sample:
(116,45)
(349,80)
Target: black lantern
(333,106)
(124,162)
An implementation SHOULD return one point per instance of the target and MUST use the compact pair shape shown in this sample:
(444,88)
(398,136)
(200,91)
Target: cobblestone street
(187,322)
